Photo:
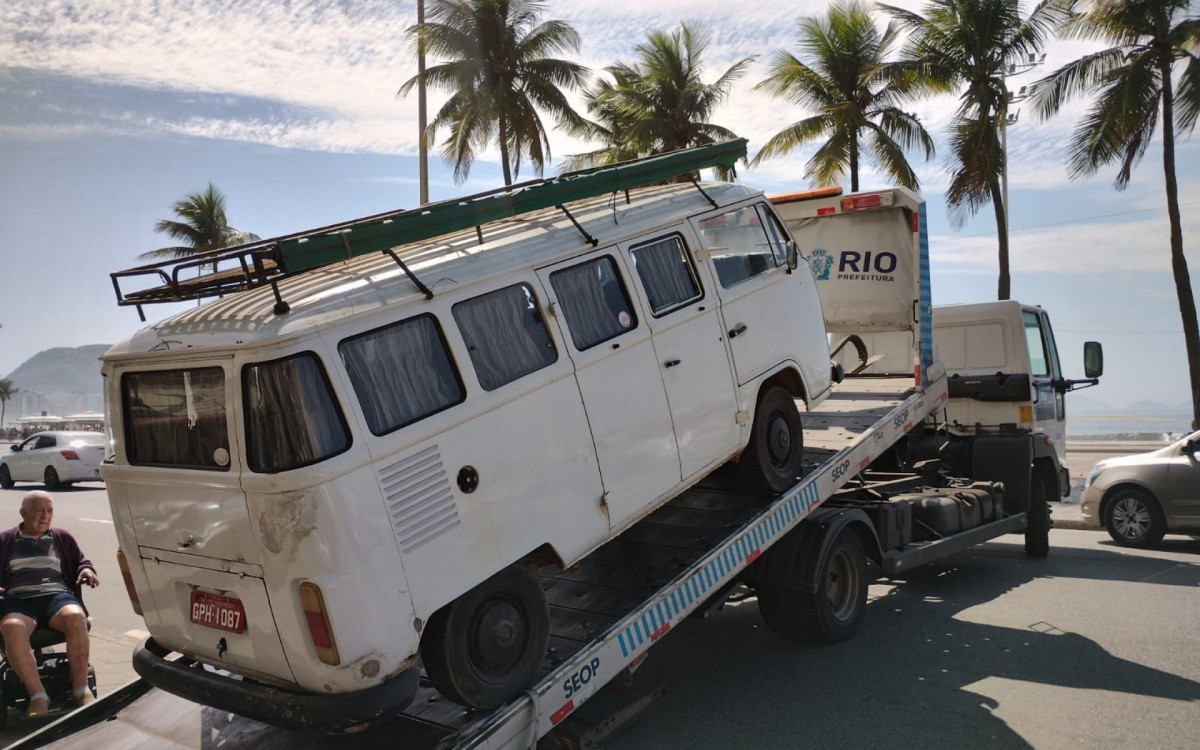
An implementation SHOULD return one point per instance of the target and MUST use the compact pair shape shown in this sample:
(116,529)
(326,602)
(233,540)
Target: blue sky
(112,110)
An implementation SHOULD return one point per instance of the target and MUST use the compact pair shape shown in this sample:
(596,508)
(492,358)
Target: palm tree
(842,73)
(611,125)
(8,390)
(660,102)
(1133,83)
(499,77)
(969,45)
(201,227)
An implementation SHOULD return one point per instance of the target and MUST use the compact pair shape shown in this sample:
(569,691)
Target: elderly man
(41,573)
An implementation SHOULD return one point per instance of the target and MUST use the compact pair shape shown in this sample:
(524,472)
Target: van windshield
(176,418)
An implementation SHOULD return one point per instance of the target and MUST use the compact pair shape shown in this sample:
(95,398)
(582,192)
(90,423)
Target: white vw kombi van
(313,498)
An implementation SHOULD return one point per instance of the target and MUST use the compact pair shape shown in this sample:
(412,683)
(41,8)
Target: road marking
(136,634)
(97,520)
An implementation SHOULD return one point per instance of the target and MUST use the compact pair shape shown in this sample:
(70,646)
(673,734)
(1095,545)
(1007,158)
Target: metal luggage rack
(267,262)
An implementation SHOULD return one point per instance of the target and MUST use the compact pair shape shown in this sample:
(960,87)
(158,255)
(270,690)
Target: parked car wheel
(50,479)
(6,480)
(486,646)
(1133,519)
(774,458)
(835,610)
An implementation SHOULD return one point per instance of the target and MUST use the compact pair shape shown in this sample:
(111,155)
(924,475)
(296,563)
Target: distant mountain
(62,370)
(1082,406)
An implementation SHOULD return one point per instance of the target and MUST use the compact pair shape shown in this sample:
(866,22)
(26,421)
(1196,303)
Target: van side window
(505,335)
(594,301)
(292,419)
(176,418)
(401,373)
(667,274)
(776,236)
(739,245)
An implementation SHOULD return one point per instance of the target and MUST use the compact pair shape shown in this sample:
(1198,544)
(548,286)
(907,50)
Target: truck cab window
(739,245)
(1039,364)
(505,335)
(401,373)
(292,419)
(176,418)
(594,302)
(667,274)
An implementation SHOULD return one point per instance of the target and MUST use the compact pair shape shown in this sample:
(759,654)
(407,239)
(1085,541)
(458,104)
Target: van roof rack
(266,262)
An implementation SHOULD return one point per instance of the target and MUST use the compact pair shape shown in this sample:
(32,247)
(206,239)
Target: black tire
(835,611)
(485,647)
(6,480)
(1037,528)
(50,479)
(1134,519)
(774,458)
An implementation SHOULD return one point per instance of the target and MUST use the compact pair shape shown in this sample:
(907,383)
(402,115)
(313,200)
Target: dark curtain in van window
(665,273)
(291,418)
(504,335)
(401,373)
(593,300)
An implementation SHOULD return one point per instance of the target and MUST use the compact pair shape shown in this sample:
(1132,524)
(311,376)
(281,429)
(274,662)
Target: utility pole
(422,150)
(1011,119)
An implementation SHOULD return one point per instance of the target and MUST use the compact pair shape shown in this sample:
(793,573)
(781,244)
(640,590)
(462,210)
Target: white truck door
(760,301)
(1049,409)
(619,378)
(684,317)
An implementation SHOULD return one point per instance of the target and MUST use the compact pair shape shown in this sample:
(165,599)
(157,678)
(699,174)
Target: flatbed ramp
(605,612)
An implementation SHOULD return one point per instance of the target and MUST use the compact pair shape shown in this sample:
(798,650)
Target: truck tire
(835,610)
(486,646)
(1133,519)
(774,458)
(1037,528)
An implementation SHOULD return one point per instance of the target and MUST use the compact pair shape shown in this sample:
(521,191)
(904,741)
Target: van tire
(487,645)
(832,613)
(773,460)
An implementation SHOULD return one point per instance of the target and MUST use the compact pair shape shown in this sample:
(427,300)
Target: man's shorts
(39,608)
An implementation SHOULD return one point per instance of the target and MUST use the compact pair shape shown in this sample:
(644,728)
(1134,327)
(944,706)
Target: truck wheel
(1133,519)
(1037,528)
(835,611)
(50,479)
(774,458)
(486,646)
(6,480)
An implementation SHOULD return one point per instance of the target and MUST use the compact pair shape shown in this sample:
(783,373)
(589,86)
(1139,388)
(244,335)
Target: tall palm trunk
(854,162)
(503,130)
(1183,282)
(1003,290)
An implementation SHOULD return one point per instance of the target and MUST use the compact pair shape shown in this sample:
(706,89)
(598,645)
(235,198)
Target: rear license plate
(220,612)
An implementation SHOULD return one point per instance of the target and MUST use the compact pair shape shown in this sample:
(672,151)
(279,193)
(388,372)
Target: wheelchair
(53,668)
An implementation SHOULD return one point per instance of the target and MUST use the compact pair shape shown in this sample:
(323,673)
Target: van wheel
(835,610)
(6,480)
(486,646)
(1037,528)
(50,479)
(774,458)
(1133,519)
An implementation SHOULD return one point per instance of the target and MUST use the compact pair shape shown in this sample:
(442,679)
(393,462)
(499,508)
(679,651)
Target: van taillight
(123,564)
(70,455)
(313,604)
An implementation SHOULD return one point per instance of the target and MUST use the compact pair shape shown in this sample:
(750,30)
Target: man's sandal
(39,707)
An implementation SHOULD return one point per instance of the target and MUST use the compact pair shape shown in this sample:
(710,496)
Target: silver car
(54,458)
(1141,497)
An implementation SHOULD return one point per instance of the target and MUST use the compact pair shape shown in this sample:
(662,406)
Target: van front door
(619,378)
(686,323)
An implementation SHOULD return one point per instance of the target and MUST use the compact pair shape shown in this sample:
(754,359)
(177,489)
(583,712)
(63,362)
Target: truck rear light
(123,564)
(70,455)
(860,202)
(313,604)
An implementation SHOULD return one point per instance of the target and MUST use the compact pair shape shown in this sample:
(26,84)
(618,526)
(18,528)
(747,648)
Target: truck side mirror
(793,255)
(1093,359)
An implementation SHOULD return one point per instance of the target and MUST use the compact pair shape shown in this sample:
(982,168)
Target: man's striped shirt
(34,569)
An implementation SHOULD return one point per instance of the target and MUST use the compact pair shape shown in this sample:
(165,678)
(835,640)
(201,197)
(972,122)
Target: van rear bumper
(336,712)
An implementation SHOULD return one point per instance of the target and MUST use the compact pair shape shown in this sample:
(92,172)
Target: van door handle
(670,363)
(737,331)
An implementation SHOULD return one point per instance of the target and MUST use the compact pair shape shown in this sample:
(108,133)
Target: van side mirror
(793,255)
(1093,359)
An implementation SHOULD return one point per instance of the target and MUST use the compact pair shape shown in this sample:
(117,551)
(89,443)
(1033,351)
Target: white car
(55,459)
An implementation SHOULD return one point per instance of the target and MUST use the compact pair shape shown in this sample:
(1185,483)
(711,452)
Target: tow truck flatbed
(606,611)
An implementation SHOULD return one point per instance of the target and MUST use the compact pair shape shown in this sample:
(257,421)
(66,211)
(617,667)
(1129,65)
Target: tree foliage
(200,227)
